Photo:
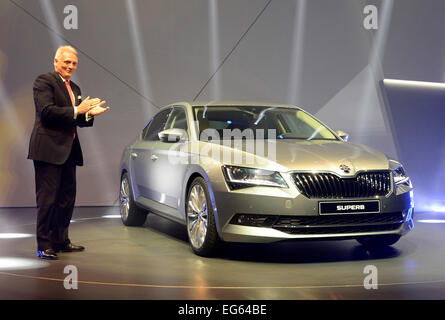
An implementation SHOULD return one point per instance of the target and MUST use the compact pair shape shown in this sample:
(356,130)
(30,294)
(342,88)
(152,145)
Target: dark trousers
(55,196)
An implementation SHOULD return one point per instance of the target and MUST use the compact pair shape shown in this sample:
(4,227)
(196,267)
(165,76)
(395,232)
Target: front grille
(331,186)
(332,224)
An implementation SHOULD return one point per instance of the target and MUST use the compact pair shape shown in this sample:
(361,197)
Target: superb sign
(372,206)
(353,207)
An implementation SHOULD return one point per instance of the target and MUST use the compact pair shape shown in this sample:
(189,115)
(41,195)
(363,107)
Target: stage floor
(156,262)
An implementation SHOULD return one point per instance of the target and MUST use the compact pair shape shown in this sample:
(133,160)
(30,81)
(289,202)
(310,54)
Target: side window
(156,125)
(177,119)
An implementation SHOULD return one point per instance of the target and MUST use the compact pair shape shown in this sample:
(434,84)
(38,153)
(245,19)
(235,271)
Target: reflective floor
(155,262)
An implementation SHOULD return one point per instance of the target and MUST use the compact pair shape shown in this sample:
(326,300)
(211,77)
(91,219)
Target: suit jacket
(52,136)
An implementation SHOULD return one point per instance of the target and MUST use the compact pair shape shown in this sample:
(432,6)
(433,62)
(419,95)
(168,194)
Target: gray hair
(62,49)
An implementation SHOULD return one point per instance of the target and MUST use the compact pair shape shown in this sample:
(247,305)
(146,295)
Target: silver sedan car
(253,172)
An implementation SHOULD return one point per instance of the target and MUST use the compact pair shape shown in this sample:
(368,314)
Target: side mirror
(343,135)
(173,135)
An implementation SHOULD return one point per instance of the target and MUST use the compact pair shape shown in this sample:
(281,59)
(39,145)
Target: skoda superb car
(252,172)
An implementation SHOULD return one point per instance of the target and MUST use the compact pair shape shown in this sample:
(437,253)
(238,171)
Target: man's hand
(87,104)
(98,109)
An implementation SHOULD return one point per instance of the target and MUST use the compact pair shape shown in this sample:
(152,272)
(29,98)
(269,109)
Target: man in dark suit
(55,149)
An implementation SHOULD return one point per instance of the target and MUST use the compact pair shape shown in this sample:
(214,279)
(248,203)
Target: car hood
(290,154)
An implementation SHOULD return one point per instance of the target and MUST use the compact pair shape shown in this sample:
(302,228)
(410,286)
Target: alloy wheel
(197,213)
(124,198)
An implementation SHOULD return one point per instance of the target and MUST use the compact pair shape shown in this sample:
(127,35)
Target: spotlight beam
(376,70)
(138,50)
(297,53)
(214,48)
(50,16)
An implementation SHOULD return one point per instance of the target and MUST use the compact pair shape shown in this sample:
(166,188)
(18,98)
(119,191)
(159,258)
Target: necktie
(67,83)
(70,92)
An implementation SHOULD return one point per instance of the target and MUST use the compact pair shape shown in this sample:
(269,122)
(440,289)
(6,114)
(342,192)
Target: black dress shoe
(48,254)
(71,248)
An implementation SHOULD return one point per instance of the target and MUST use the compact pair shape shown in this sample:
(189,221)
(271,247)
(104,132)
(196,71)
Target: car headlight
(402,182)
(400,175)
(241,177)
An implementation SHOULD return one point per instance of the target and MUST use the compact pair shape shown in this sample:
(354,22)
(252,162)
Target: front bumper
(275,214)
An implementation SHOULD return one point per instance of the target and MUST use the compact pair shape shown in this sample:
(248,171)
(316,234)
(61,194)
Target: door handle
(134,155)
(154,157)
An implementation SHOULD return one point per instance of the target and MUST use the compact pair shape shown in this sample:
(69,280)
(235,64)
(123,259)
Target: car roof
(233,104)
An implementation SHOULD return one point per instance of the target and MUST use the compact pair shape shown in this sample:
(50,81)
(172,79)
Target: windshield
(276,123)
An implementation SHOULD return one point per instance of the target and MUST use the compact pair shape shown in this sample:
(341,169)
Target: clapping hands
(98,109)
(93,106)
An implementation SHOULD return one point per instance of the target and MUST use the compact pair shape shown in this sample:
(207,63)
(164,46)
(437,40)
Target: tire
(131,214)
(379,241)
(201,227)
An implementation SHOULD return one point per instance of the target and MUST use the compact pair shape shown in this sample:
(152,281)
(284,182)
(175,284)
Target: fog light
(243,220)
(254,220)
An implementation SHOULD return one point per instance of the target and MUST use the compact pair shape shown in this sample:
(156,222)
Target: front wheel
(131,214)
(379,241)
(201,226)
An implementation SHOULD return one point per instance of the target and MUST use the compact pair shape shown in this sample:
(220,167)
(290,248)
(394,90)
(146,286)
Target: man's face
(66,64)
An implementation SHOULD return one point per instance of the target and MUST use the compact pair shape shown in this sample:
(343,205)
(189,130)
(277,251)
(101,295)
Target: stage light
(419,84)
(7,263)
(214,50)
(15,235)
(437,208)
(431,221)
(112,216)
(367,105)
(53,24)
(297,54)
(140,57)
